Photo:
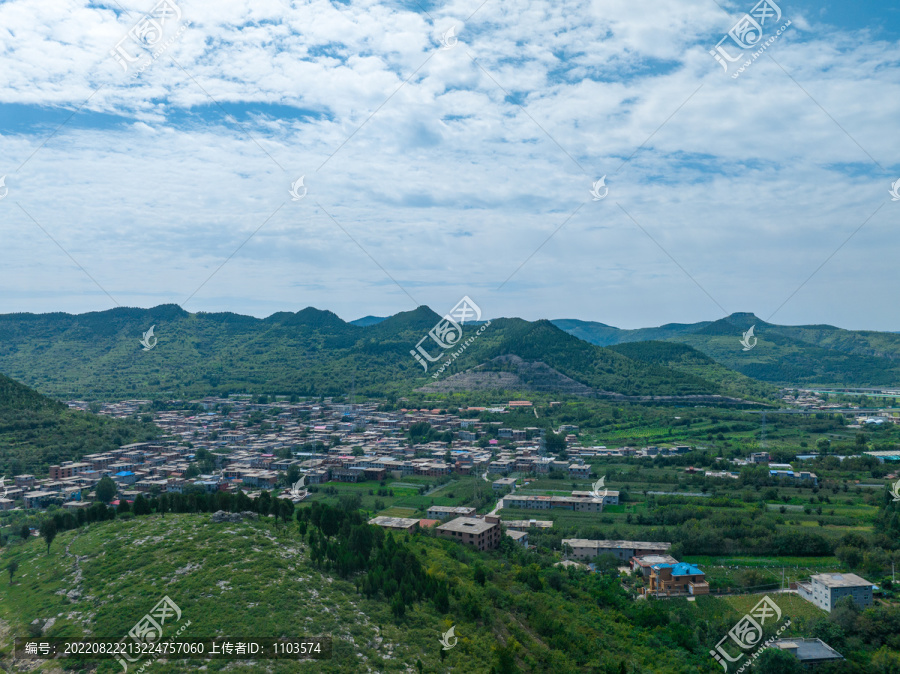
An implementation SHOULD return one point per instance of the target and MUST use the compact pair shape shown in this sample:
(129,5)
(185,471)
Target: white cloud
(449,185)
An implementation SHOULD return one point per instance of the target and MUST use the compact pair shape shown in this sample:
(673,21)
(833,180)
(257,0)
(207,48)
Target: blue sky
(435,173)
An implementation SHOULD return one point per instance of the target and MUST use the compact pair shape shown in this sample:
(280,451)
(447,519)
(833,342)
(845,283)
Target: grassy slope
(249,579)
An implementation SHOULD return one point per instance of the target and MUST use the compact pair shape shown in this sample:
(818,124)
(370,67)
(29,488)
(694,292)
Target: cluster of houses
(326,441)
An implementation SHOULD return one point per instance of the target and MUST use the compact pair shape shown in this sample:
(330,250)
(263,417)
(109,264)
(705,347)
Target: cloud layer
(442,170)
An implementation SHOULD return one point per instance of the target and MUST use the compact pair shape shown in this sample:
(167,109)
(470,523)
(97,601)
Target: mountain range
(780,354)
(312,352)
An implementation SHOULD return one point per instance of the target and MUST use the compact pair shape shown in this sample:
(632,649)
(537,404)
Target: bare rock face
(222,516)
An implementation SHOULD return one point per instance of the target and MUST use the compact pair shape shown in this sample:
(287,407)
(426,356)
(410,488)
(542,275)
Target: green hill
(36,431)
(511,610)
(786,355)
(310,352)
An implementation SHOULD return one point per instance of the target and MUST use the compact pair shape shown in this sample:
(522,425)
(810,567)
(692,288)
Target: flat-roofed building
(579,470)
(578,504)
(396,523)
(583,548)
(446,512)
(826,589)
(503,483)
(808,651)
(520,537)
(480,534)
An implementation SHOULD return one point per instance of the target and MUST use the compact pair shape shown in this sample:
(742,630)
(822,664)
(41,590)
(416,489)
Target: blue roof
(124,473)
(681,569)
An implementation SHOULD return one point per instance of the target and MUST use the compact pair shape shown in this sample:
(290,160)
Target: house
(395,523)
(503,483)
(678,578)
(520,537)
(479,534)
(446,512)
(808,651)
(582,548)
(826,589)
(578,470)
(760,457)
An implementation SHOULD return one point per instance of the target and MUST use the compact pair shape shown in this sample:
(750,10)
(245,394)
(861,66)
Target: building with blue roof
(677,579)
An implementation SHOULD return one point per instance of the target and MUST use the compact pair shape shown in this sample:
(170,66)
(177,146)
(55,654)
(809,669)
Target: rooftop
(394,522)
(636,545)
(468,525)
(808,649)
(841,580)
(681,569)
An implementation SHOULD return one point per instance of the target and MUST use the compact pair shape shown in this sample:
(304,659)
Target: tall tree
(48,532)
(12,567)
(106,489)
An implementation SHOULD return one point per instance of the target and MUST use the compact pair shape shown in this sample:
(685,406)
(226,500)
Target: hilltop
(786,355)
(311,352)
(253,579)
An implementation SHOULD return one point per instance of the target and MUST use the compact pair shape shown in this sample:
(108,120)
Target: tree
(48,532)
(823,445)
(555,442)
(124,507)
(12,567)
(357,451)
(777,661)
(141,505)
(25,532)
(106,489)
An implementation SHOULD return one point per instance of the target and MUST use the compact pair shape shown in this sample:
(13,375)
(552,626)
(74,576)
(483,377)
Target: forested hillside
(36,431)
(311,352)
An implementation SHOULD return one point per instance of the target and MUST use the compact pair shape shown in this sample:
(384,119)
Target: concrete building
(582,548)
(578,504)
(503,483)
(520,537)
(826,589)
(808,651)
(480,534)
(446,512)
(580,471)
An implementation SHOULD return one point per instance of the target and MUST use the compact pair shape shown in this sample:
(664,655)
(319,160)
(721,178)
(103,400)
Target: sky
(451,149)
